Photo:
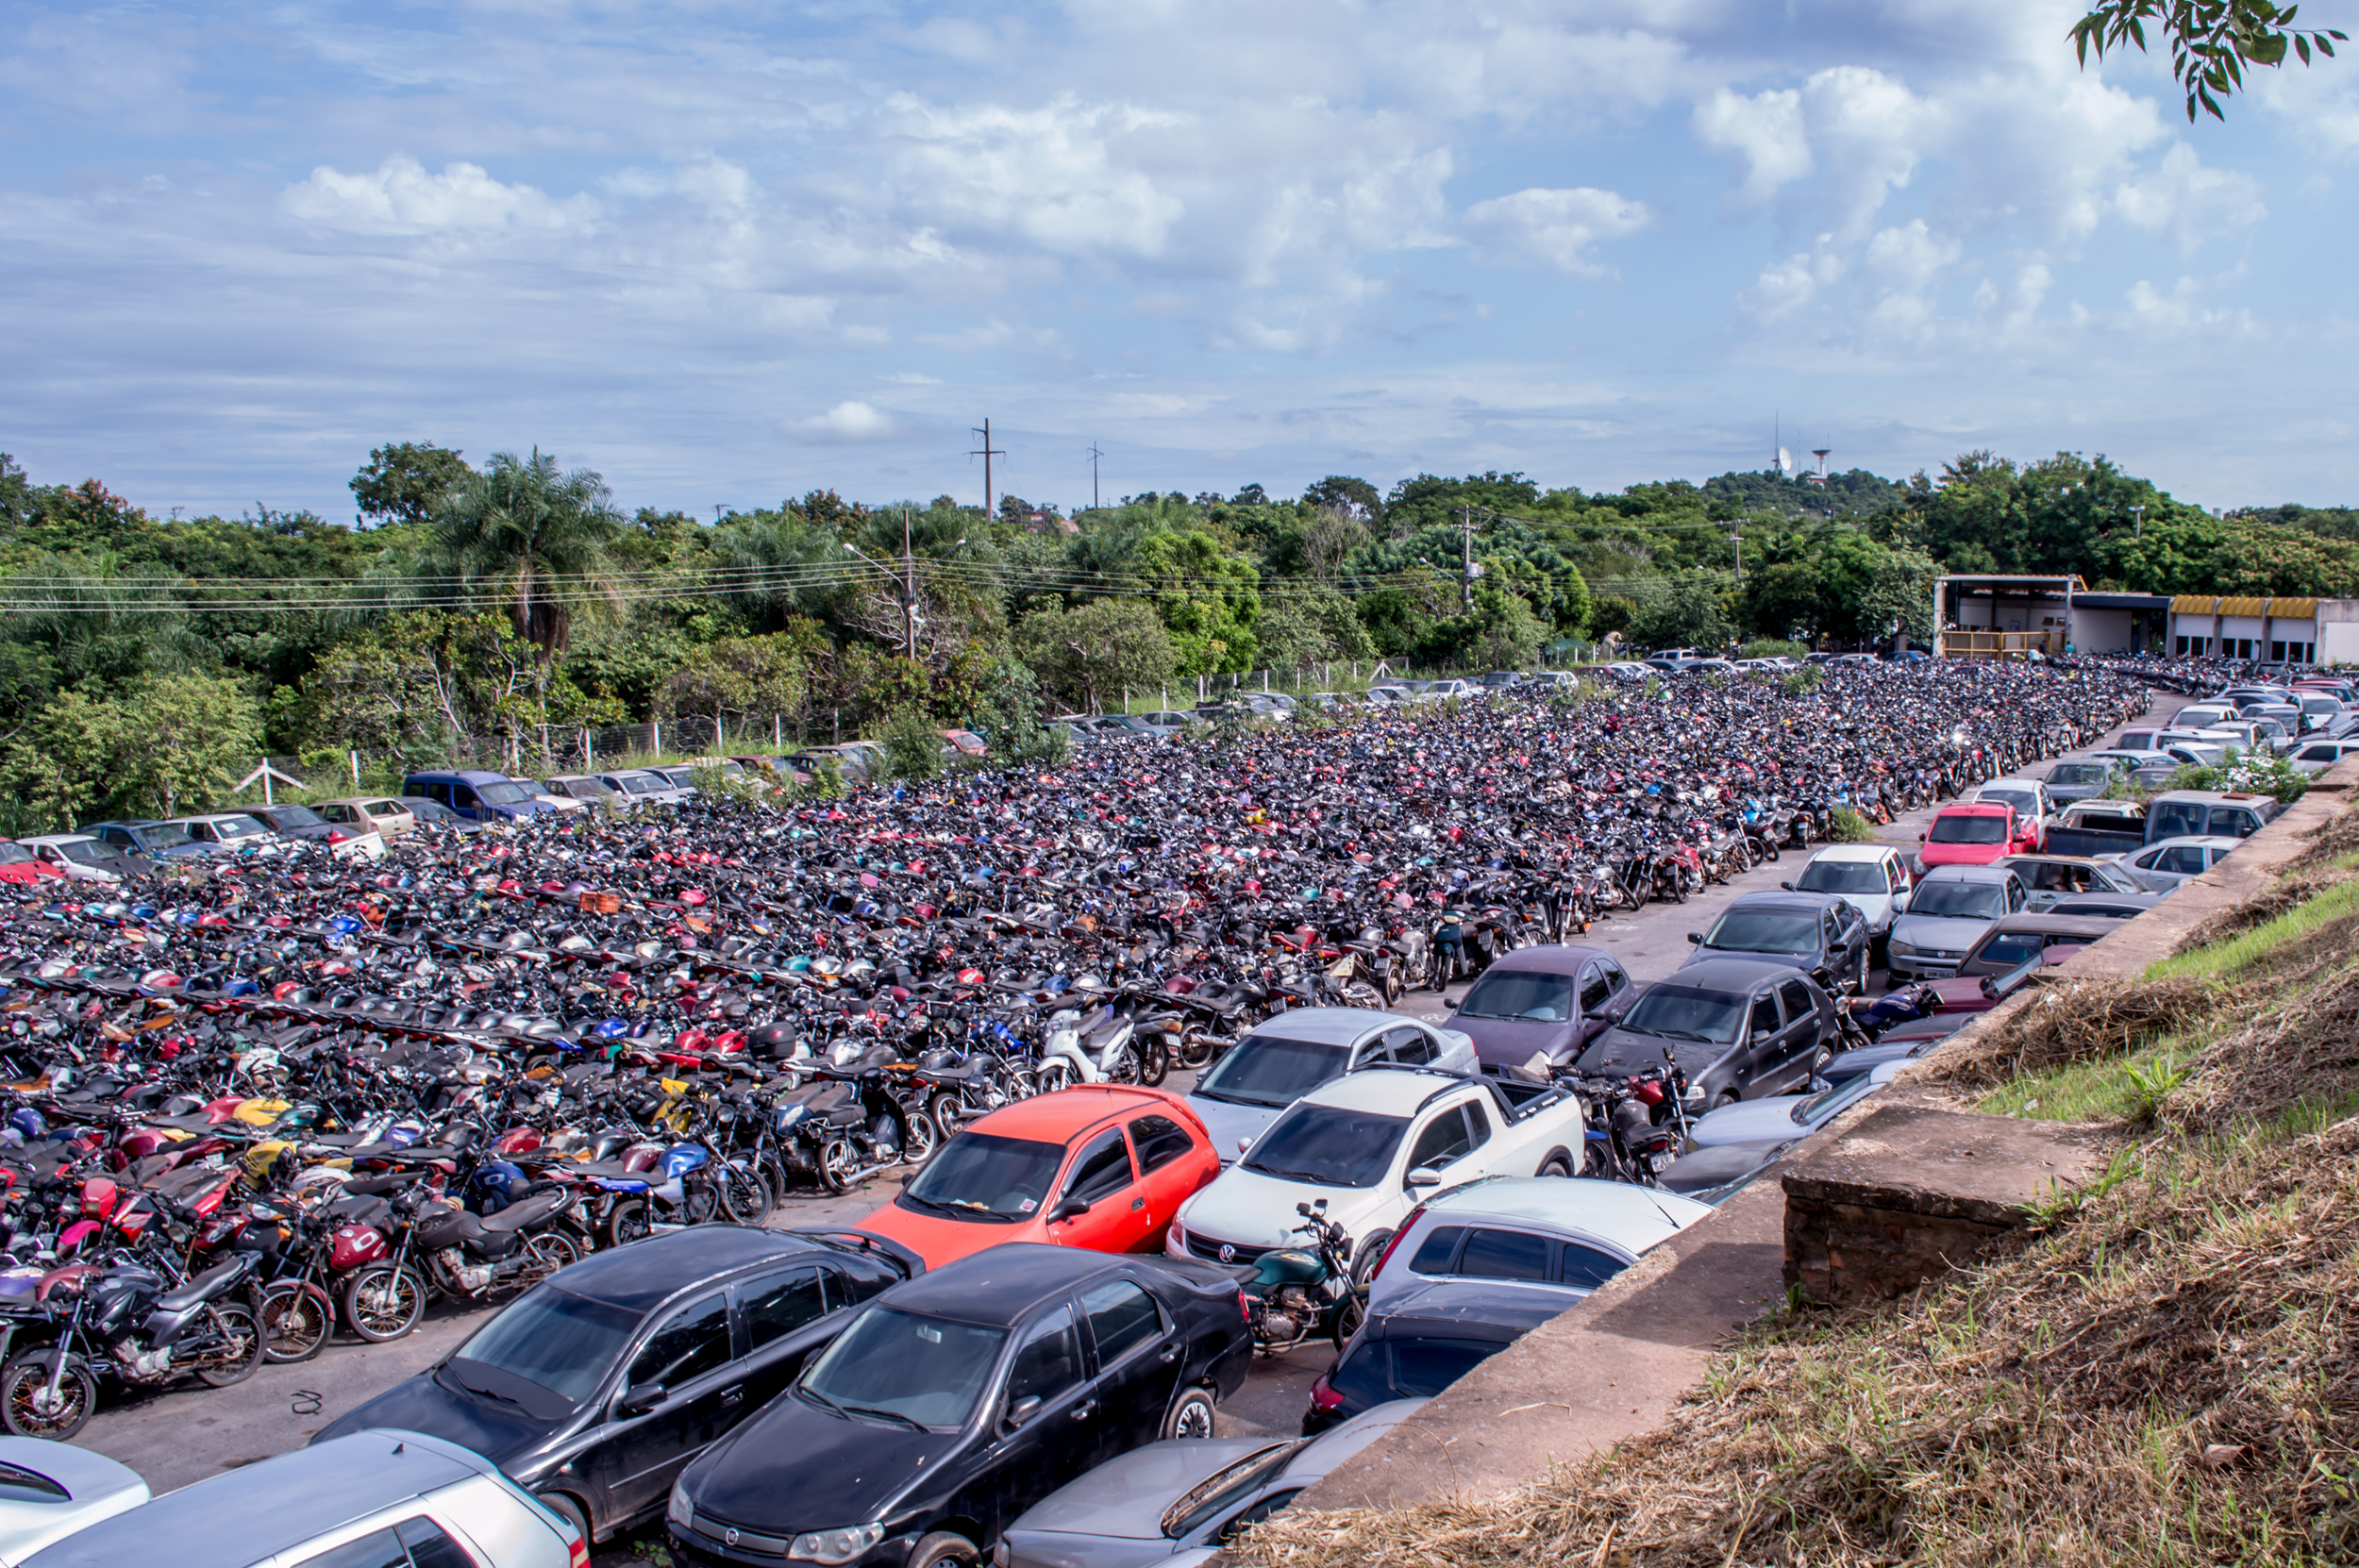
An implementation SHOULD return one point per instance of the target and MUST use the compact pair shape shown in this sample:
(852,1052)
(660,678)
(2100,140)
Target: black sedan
(1816,933)
(598,1386)
(955,1402)
(1739,1028)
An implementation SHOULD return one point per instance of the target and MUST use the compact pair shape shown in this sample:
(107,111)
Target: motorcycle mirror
(1303,1209)
(1787,886)
(1424,1176)
(640,1398)
(1070,1209)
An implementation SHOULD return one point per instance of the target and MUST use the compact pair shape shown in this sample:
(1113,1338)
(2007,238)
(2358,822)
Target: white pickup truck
(1374,1144)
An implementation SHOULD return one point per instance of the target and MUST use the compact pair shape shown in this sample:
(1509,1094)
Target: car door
(1136,1353)
(1038,1450)
(1593,992)
(690,1355)
(1101,1176)
(1167,1173)
(1804,1026)
(1762,1061)
(776,1312)
(1441,1140)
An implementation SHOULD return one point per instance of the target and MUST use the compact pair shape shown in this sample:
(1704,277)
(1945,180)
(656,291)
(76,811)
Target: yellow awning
(2296,609)
(2192,604)
(2241,607)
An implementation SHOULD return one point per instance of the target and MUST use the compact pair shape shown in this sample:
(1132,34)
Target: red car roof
(1056,1118)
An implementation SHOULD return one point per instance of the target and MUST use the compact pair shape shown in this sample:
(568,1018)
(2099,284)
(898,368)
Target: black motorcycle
(131,1322)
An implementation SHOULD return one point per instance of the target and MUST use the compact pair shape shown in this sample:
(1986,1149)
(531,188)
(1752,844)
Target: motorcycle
(1294,1292)
(130,1323)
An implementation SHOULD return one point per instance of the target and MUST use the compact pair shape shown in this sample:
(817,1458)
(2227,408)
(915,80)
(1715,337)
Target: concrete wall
(2101,630)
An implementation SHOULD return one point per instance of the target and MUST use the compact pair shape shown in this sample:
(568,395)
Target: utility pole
(908,587)
(2137,516)
(1736,543)
(1094,455)
(1470,571)
(986,452)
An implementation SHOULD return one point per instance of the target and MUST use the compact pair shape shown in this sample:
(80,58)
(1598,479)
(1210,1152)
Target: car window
(1103,1169)
(417,1542)
(429,1547)
(1505,1254)
(1435,1251)
(2240,823)
(1160,1141)
(1408,1045)
(1441,1143)
(1048,1362)
(1587,1266)
(1121,1316)
(1594,989)
(1478,1123)
(1765,1014)
(1426,1367)
(776,1306)
(1614,979)
(1796,996)
(693,1342)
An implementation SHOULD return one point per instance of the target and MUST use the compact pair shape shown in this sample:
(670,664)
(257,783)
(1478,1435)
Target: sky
(726,253)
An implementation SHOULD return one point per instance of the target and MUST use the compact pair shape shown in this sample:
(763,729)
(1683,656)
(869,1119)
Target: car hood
(1259,1210)
(1124,1497)
(1748,1121)
(939,1240)
(1620,1050)
(1229,1122)
(499,1432)
(1792,960)
(796,1467)
(1942,932)
(1512,1042)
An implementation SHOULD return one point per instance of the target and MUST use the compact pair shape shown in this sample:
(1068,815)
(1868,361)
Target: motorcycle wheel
(297,1317)
(24,1397)
(1196,1047)
(746,1195)
(384,1301)
(921,1136)
(1349,1315)
(1154,1061)
(546,1251)
(1054,1074)
(1769,850)
(232,1345)
(837,1162)
(627,1222)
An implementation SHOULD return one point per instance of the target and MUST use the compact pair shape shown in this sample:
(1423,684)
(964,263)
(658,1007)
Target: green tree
(1687,614)
(1094,652)
(159,745)
(2211,40)
(746,678)
(408,482)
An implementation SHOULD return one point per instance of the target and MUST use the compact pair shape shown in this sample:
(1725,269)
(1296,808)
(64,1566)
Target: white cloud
(2188,202)
(1053,175)
(1765,130)
(1785,287)
(1557,228)
(400,197)
(848,423)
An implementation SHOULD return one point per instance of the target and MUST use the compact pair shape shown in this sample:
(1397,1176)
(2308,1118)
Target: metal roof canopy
(2067,586)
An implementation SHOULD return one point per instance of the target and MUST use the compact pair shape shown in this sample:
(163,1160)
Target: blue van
(479,796)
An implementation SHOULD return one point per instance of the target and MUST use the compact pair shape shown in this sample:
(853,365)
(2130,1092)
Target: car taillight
(1323,1397)
(1398,1236)
(337,835)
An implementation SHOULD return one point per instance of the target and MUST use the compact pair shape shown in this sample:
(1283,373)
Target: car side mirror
(640,1398)
(1024,1409)
(1070,1209)
(1787,886)
(1424,1176)
(1695,937)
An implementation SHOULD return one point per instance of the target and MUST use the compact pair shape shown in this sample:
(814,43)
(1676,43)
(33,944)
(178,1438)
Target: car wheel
(1363,1262)
(1555,1165)
(569,1511)
(1191,1415)
(1726,1096)
(943,1550)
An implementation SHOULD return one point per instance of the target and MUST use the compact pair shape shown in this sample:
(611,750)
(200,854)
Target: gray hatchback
(1738,1028)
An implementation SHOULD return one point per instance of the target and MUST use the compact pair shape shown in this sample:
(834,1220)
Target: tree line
(471,611)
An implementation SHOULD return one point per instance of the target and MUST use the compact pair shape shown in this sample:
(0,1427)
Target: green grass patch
(2241,952)
(2124,1087)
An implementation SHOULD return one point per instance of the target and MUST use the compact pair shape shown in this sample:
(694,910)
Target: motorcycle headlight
(677,1511)
(836,1546)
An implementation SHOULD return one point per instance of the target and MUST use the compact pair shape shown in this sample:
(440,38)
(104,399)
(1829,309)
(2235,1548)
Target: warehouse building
(2275,631)
(2013,617)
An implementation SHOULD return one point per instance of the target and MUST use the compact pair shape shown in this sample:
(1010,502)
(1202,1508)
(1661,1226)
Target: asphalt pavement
(180,1436)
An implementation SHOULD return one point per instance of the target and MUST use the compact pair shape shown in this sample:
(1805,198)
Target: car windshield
(1520,994)
(1211,1497)
(1327,1147)
(1958,900)
(980,1176)
(422,808)
(237,827)
(1817,1107)
(1763,931)
(505,793)
(2078,773)
(1982,829)
(296,816)
(13,854)
(1678,1013)
(1271,1070)
(564,1342)
(88,851)
(904,1367)
(166,835)
(640,784)
(1844,877)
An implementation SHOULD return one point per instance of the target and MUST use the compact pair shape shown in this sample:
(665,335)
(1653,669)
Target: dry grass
(2286,892)
(2170,1377)
(2331,841)
(2075,1022)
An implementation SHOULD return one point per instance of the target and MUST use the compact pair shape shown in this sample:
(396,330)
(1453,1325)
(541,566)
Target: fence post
(657,725)
(589,751)
(720,742)
(777,732)
(356,772)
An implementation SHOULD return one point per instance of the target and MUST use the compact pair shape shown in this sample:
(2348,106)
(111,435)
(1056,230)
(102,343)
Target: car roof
(464,776)
(2055,924)
(272,1507)
(996,1286)
(1726,975)
(2207,840)
(1327,1026)
(1856,852)
(1798,903)
(1630,1216)
(1058,1115)
(1994,873)
(649,1272)
(1389,1091)
(1558,958)
(1973,808)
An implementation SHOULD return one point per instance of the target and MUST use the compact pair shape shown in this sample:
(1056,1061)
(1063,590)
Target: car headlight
(1900,949)
(836,1546)
(679,1511)
(1176,1239)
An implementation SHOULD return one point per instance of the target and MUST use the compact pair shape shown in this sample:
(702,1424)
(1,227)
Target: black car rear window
(1426,1367)
(1361,1376)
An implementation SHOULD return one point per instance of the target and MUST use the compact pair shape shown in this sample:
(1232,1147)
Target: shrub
(1844,826)
(913,746)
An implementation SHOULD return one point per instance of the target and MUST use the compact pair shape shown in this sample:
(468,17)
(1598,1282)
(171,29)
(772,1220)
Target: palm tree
(543,538)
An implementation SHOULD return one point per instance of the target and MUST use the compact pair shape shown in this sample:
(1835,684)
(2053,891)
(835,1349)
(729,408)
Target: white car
(1301,1048)
(2029,797)
(232,832)
(643,787)
(48,1491)
(1628,670)
(1499,1233)
(2163,864)
(72,856)
(1873,878)
(1370,1146)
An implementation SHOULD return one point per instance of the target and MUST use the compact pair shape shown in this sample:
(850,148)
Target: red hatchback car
(20,864)
(1975,833)
(1103,1166)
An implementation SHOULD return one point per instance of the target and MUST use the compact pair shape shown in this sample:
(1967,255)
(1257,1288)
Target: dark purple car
(1550,1000)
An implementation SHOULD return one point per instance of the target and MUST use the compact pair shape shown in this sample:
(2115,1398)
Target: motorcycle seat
(203,1288)
(524,1213)
(965,1072)
(196,1122)
(340,1140)
(359,1209)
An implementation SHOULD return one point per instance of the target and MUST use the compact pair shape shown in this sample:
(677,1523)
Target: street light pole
(2137,516)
